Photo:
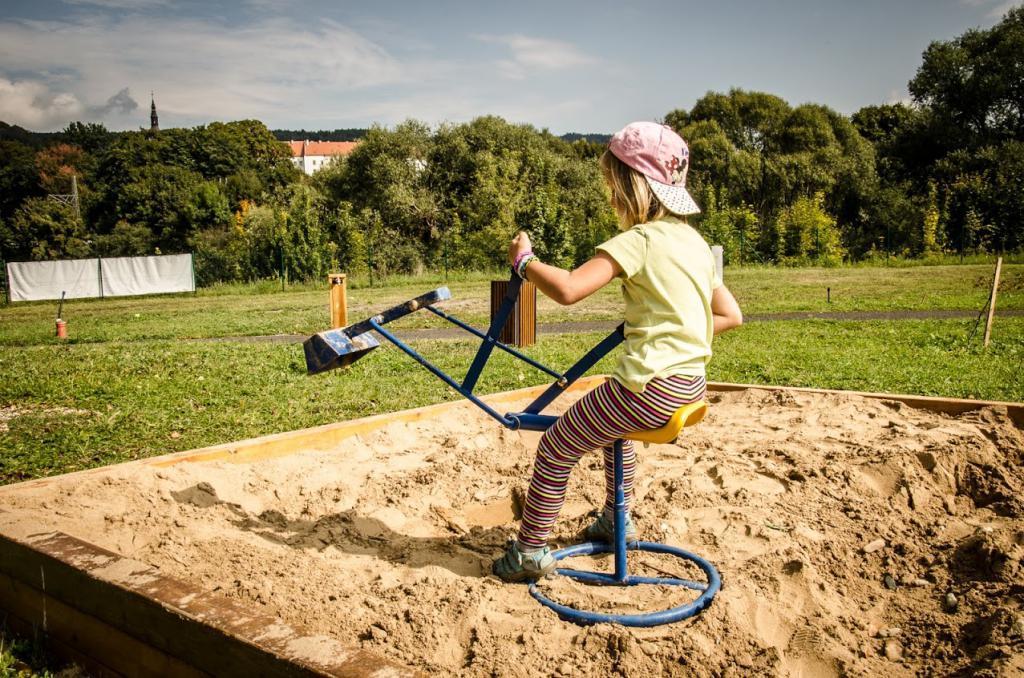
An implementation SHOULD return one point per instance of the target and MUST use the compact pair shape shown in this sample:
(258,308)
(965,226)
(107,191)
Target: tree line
(777,183)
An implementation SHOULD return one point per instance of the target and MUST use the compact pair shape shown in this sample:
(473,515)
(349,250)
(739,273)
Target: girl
(675,303)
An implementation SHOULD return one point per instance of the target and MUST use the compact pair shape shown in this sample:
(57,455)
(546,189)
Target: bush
(807,234)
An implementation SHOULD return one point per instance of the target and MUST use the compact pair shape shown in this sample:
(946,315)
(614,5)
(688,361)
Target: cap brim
(676,199)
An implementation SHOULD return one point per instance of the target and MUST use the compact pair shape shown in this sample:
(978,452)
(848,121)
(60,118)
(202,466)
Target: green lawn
(127,387)
(263,309)
(78,406)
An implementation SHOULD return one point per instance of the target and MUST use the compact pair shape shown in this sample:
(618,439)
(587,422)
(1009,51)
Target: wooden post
(339,300)
(992,303)
(521,328)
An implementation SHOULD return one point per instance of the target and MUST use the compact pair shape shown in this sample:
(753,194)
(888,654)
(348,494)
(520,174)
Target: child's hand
(520,243)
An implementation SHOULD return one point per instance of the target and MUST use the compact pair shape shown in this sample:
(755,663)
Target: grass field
(129,388)
(263,309)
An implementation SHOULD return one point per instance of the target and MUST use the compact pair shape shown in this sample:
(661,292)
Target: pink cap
(661,155)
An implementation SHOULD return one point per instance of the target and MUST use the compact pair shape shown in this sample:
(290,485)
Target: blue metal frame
(504,347)
(341,347)
(621,576)
(337,348)
(592,357)
(493,332)
(503,420)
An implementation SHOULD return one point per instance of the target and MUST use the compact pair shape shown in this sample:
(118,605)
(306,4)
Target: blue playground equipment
(342,347)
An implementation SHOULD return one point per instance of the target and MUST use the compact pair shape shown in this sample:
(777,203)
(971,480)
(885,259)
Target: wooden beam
(330,435)
(99,648)
(316,438)
(129,618)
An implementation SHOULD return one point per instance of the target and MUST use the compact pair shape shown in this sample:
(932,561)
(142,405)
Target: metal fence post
(7,282)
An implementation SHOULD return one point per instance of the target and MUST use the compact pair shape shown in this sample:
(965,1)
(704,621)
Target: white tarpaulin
(34,280)
(130,276)
(116,277)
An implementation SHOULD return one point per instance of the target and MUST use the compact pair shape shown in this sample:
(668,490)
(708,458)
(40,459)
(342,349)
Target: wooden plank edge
(187,630)
(329,435)
(314,438)
(99,648)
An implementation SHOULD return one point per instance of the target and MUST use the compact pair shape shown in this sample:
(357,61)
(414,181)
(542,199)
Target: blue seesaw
(342,347)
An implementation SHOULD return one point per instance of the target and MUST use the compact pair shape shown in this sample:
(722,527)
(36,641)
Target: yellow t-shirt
(668,274)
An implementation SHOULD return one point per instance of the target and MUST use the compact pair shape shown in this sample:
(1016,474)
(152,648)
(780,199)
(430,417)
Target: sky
(566,66)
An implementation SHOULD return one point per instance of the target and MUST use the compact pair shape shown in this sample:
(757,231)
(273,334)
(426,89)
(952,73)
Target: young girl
(675,303)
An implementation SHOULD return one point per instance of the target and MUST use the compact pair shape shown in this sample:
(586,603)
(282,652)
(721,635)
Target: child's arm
(566,287)
(724,310)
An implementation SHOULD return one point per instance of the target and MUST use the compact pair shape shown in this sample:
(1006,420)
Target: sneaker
(516,566)
(603,529)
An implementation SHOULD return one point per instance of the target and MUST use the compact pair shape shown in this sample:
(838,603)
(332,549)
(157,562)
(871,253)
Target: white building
(310,156)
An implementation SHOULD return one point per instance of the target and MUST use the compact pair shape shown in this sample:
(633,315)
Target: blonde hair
(632,198)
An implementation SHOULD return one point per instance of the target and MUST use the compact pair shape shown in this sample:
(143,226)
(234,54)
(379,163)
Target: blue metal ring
(668,616)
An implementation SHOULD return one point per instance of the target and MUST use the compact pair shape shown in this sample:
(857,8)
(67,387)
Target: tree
(173,203)
(968,139)
(43,229)
(57,164)
(753,149)
(126,240)
(92,137)
(973,83)
(19,177)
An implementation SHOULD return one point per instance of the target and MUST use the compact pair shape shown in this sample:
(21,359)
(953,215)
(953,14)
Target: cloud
(536,54)
(199,69)
(997,8)
(899,97)
(121,4)
(33,105)
(37,105)
(121,103)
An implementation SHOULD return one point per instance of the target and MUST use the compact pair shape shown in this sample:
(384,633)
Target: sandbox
(840,522)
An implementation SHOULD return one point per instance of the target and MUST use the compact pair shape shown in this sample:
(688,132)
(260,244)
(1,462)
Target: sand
(839,525)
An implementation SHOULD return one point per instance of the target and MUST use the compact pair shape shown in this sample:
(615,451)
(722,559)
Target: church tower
(154,122)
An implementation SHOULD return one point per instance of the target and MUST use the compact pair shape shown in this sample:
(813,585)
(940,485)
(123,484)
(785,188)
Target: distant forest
(355,134)
(40,139)
(777,183)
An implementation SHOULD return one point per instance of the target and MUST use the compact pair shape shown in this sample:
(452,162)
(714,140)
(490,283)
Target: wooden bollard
(339,300)
(521,327)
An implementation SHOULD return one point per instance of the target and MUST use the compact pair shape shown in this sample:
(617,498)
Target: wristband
(524,263)
(520,257)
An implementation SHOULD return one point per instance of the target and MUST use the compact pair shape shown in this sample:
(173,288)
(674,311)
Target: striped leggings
(597,420)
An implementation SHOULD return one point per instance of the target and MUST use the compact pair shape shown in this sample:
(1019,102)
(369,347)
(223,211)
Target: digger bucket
(341,347)
(334,348)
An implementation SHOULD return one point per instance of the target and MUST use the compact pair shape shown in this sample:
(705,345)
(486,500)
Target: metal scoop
(342,347)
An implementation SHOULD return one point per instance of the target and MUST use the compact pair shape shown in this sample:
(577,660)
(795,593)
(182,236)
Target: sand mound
(854,537)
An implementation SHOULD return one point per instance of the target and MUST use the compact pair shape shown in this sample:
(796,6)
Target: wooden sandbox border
(116,616)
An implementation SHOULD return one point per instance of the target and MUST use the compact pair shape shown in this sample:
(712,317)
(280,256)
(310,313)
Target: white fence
(115,277)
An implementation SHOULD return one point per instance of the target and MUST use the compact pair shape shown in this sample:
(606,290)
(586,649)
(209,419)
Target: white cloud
(34,105)
(536,54)
(899,97)
(997,8)
(121,4)
(199,69)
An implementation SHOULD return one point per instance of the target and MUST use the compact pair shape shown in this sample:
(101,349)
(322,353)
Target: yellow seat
(687,415)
